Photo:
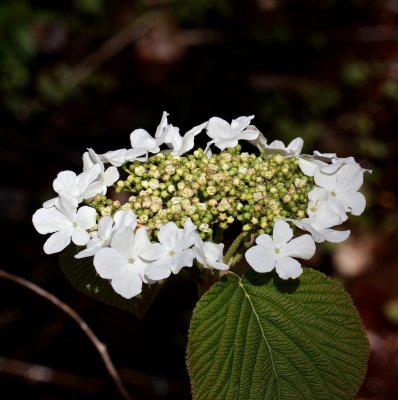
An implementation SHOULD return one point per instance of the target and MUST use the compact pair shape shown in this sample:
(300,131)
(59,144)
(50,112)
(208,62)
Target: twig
(113,46)
(82,324)
(41,374)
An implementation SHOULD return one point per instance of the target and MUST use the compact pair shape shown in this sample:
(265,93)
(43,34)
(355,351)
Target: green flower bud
(139,171)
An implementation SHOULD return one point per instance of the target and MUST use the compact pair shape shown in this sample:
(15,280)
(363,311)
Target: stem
(101,348)
(236,259)
(234,247)
(125,169)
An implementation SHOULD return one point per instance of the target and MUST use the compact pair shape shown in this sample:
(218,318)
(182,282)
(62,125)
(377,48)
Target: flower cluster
(180,202)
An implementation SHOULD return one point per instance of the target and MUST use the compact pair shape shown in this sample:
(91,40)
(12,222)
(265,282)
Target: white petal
(57,241)
(306,225)
(260,142)
(260,259)
(239,124)
(110,176)
(288,268)
(50,203)
(189,234)
(181,259)
(66,181)
(354,202)
(161,128)
(133,155)
(199,249)
(334,236)
(295,146)
(108,262)
(218,128)
(116,157)
(86,177)
(248,134)
(350,177)
(127,282)
(214,256)
(308,166)
(125,219)
(67,205)
(89,251)
(265,241)
(80,236)
(141,242)
(141,139)
(302,247)
(328,182)
(153,252)
(226,143)
(93,189)
(87,161)
(86,217)
(123,242)
(217,265)
(105,225)
(171,136)
(282,232)
(49,220)
(167,235)
(159,269)
(188,140)
(214,251)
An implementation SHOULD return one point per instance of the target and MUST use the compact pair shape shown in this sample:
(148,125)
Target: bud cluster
(227,187)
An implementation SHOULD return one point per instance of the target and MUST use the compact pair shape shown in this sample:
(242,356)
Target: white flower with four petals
(277,251)
(66,223)
(173,252)
(122,262)
(227,135)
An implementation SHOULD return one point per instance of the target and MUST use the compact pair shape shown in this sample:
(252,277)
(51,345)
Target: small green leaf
(259,337)
(81,274)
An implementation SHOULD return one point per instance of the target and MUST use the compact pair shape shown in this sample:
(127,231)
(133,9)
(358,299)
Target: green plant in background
(264,327)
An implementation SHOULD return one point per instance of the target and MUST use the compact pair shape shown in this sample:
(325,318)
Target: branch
(82,324)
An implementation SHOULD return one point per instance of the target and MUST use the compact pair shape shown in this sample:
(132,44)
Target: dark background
(85,73)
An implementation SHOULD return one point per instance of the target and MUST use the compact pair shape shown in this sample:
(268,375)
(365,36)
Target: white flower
(65,223)
(277,251)
(122,263)
(82,186)
(181,144)
(107,226)
(278,147)
(318,232)
(141,140)
(107,176)
(209,254)
(227,135)
(173,251)
(324,208)
(337,194)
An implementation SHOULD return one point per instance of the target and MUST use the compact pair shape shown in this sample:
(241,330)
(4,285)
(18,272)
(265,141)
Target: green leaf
(259,337)
(81,274)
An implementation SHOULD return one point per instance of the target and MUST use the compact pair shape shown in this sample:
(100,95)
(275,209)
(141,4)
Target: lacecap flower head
(184,201)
